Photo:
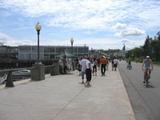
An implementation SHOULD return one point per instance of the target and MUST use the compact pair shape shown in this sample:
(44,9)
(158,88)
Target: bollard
(55,69)
(52,71)
(61,69)
(9,81)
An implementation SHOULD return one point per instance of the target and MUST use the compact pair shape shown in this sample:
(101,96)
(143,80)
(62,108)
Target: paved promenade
(62,97)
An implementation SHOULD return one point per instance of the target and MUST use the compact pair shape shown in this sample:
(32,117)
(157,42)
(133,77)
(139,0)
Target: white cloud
(41,7)
(131,32)
(119,26)
(8,40)
(124,30)
(134,43)
(96,43)
(87,14)
(84,14)
(130,17)
(150,17)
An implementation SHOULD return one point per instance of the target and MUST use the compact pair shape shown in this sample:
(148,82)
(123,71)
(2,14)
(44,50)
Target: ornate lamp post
(38,71)
(72,41)
(38,28)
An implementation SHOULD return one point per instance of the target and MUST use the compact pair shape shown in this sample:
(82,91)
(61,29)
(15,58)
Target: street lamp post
(38,28)
(38,71)
(72,41)
(84,49)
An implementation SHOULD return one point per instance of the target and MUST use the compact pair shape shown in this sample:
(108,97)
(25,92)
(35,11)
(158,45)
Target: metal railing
(7,77)
(8,74)
(53,69)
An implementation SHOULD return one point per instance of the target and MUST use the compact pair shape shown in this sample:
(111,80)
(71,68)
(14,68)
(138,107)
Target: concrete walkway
(62,97)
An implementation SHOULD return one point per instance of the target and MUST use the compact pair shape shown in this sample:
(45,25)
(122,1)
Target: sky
(99,24)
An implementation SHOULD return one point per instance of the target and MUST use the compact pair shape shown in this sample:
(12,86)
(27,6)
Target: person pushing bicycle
(147,67)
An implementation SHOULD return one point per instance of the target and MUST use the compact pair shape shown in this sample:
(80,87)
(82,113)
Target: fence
(8,76)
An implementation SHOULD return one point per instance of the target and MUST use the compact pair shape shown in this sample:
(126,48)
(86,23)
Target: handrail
(9,81)
(15,69)
(54,69)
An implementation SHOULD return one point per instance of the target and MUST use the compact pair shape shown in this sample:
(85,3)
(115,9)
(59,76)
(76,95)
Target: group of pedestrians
(88,67)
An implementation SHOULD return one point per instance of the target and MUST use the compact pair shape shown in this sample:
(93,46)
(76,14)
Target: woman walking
(88,73)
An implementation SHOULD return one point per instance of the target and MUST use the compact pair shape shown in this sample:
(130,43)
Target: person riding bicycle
(129,66)
(147,66)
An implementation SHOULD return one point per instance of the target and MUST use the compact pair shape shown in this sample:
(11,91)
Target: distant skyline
(99,24)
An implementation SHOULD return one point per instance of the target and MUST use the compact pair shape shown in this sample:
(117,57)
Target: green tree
(151,47)
(158,34)
(147,46)
(155,47)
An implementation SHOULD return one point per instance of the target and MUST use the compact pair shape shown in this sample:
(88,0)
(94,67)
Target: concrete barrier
(55,70)
(9,81)
(38,72)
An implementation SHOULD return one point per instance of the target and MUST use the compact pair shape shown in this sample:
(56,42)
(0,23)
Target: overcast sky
(99,24)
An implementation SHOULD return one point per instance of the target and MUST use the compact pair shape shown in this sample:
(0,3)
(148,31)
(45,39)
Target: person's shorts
(145,70)
(115,65)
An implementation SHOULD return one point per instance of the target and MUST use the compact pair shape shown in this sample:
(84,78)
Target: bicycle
(146,77)
(129,67)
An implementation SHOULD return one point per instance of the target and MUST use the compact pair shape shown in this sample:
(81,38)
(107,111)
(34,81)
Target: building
(50,52)
(8,56)
(110,53)
(116,53)
(25,56)
(8,53)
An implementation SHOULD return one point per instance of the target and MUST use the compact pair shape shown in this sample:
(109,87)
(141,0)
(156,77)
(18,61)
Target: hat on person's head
(147,57)
(103,56)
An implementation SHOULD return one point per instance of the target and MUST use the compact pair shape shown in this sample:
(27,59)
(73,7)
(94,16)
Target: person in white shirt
(115,63)
(83,68)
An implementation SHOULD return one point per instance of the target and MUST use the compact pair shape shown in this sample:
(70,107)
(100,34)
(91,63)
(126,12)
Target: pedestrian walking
(98,63)
(107,64)
(115,63)
(94,69)
(83,68)
(112,61)
(103,63)
(88,73)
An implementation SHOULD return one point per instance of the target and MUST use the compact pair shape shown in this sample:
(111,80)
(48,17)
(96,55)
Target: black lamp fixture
(38,29)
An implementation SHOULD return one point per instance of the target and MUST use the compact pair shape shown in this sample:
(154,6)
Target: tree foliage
(151,47)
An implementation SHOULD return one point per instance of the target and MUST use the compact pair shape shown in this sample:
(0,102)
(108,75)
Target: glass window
(46,50)
(24,48)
